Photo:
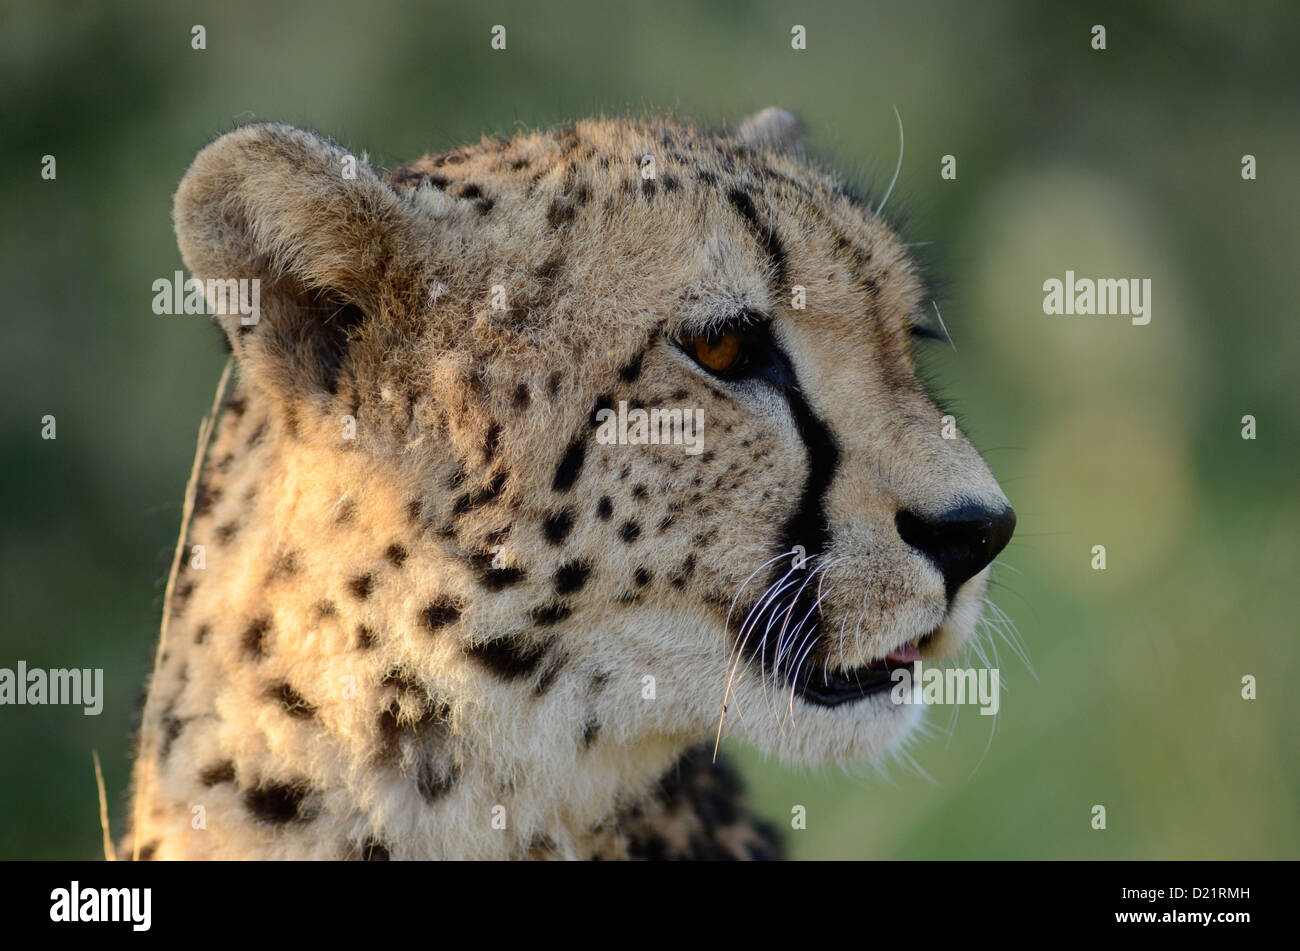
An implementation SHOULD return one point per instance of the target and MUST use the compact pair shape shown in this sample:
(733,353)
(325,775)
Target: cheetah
(435,616)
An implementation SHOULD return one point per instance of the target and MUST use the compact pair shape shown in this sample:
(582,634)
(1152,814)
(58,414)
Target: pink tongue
(904,655)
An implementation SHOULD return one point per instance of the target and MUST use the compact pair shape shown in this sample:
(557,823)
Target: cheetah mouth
(836,688)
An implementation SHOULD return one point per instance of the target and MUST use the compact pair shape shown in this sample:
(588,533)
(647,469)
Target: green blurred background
(1122,163)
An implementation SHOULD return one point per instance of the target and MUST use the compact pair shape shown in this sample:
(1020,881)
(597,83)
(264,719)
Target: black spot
(374,851)
(226,532)
(648,188)
(217,773)
(435,781)
(642,577)
(632,371)
(570,466)
(521,396)
(550,613)
(639,492)
(603,403)
(291,700)
(559,214)
(365,638)
(347,512)
(204,497)
(508,657)
(492,441)
(148,851)
(439,614)
(202,633)
(277,803)
(478,497)
(361,587)
(495,579)
(470,190)
(550,268)
(630,532)
(589,731)
(670,182)
(556,527)
(553,383)
(647,848)
(572,576)
(766,235)
(548,675)
(171,729)
(396,555)
(254,639)
(604,508)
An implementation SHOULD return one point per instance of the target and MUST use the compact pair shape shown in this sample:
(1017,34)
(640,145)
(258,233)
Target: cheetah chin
(431,603)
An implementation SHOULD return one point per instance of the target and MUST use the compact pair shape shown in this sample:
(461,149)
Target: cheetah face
(496,319)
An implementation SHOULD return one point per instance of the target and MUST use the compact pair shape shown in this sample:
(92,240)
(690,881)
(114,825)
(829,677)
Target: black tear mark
(508,657)
(766,236)
(278,803)
(570,466)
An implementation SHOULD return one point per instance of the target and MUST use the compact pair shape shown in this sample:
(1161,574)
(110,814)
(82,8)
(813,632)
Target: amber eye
(718,353)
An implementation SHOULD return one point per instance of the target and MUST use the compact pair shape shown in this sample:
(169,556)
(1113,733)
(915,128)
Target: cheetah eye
(718,352)
(741,348)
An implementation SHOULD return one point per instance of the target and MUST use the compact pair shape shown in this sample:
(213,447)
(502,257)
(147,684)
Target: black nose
(961,541)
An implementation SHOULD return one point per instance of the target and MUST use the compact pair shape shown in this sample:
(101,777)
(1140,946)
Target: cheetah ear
(773,129)
(318,231)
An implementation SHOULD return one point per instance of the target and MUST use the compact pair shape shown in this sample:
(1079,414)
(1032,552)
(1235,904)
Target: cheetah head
(501,321)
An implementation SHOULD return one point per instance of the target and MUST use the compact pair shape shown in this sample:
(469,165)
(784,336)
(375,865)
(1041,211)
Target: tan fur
(368,721)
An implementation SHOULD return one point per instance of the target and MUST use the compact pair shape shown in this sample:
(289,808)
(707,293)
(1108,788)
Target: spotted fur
(473,630)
